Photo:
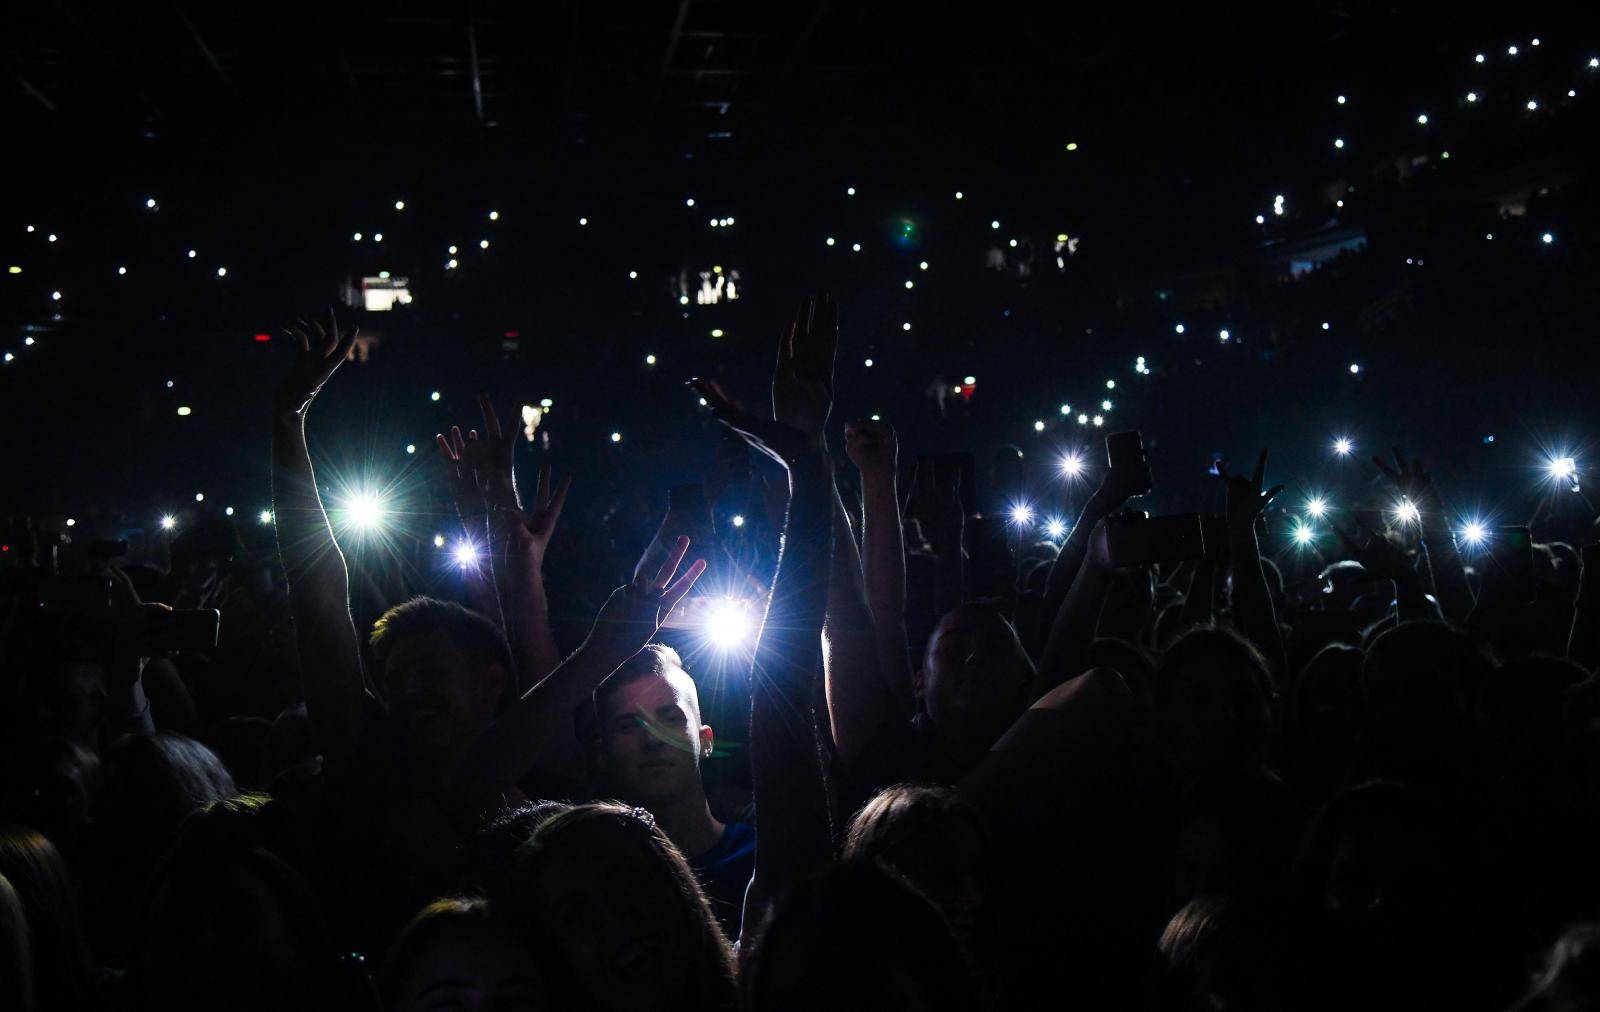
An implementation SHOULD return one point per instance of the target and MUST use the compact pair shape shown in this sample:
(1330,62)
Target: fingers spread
(686,582)
(491,421)
(674,559)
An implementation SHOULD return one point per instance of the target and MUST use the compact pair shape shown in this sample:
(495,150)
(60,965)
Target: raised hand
(1411,481)
(871,446)
(1245,499)
(531,529)
(320,351)
(1380,557)
(802,380)
(780,441)
(634,613)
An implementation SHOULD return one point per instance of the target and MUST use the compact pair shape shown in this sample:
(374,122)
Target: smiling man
(651,745)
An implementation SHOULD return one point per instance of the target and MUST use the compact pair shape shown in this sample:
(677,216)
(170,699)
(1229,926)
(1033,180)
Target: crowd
(1144,763)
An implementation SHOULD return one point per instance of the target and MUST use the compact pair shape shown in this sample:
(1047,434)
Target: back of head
(1424,669)
(153,781)
(601,888)
(856,936)
(458,944)
(1213,699)
(489,859)
(1218,953)
(479,641)
(16,952)
(61,967)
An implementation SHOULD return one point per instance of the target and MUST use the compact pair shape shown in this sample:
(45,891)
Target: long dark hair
(63,972)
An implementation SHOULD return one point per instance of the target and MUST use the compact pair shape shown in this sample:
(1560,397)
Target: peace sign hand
(635,612)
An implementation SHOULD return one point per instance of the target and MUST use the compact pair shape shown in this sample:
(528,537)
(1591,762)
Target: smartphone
(1125,453)
(1511,552)
(1215,532)
(1144,541)
(177,631)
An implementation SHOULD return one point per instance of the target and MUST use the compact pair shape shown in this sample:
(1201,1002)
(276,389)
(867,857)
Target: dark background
(270,134)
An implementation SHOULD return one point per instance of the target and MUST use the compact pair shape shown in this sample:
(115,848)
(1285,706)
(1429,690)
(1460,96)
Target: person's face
(441,699)
(471,967)
(975,679)
(604,911)
(651,742)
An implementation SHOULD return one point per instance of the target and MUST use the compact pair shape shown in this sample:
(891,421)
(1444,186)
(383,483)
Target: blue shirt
(724,871)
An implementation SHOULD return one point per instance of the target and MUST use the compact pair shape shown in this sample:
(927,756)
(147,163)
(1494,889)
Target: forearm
(884,558)
(1450,586)
(793,836)
(855,691)
(1252,602)
(1064,571)
(319,589)
(527,615)
(1066,652)
(1199,606)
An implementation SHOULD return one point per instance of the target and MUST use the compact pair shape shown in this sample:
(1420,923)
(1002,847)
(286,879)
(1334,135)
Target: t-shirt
(725,871)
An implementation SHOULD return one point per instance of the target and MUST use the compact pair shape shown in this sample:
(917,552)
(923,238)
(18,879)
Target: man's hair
(657,661)
(471,633)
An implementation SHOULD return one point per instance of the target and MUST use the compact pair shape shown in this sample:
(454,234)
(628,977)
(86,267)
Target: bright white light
(1338,203)
(1594,61)
(411,448)
(727,624)
(365,510)
(1355,368)
(1316,507)
(483,244)
(994,224)
(1547,238)
(1478,59)
(716,332)
(830,240)
(228,512)
(738,520)
(71,522)
(1406,511)
(355,237)
(1342,447)
(1055,528)
(855,247)
(1038,426)
(122,270)
(1338,142)
(583,221)
(1083,419)
(1535,42)
(265,517)
(649,360)
(1066,409)
(452,264)
(1105,405)
(466,554)
(616,437)
(1304,535)
(1532,105)
(150,202)
(184,411)
(433,396)
(1072,465)
(1261,219)
(1423,119)
(922,266)
(1511,50)
(222,272)
(51,237)
(850,191)
(27,342)
(1098,421)
(1223,335)
(168,522)
(905,326)
(959,195)
(911,284)
(1178,328)
(1472,96)
(1111,384)
(969,380)
(494,215)
(1473,532)
(399,205)
(55,296)
(1326,325)
(1013,244)
(868,363)
(199,497)
(633,275)
(1021,513)
(438,541)
(1562,468)
(689,202)
(377,237)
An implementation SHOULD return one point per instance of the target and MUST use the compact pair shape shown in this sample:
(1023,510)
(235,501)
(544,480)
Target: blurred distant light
(1021,513)
(28,341)
(1423,119)
(1338,203)
(228,512)
(649,360)
(356,237)
(71,522)
(1261,219)
(1072,145)
(1072,465)
(994,224)
(1066,409)
(1038,426)
(633,275)
(466,554)
(399,205)
(905,326)
(1223,335)
(51,237)
(122,270)
(738,520)
(1406,512)
(1355,368)
(850,191)
(1316,507)
(547,404)
(616,437)
(452,264)
(1594,61)
(959,195)
(377,237)
(483,244)
(830,240)
(1342,447)
(199,497)
(1511,50)
(1055,528)
(1111,384)
(150,202)
(1083,419)
(1548,238)
(1098,421)
(168,522)
(1304,535)
(969,380)
(923,265)
(1474,532)
(689,202)
(868,363)
(1178,328)
(855,247)
(1535,42)
(911,284)
(494,215)
(1105,405)
(1340,100)
(1479,58)
(1572,93)
(1013,244)
(1326,325)
(1532,105)
(184,411)
(13,269)
(438,541)
(716,332)
(434,396)
(55,296)
(583,221)
(1338,142)
(1472,96)
(265,517)
(222,272)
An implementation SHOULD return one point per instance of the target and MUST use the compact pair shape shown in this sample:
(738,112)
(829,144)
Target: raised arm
(1106,499)
(1411,482)
(793,825)
(872,447)
(319,585)
(1066,652)
(1252,603)
(536,731)
(1384,560)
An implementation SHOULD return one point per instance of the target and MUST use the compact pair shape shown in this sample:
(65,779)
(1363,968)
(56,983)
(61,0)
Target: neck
(688,823)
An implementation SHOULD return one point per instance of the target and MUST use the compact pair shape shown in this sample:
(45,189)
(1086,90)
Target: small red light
(263,338)
(512,335)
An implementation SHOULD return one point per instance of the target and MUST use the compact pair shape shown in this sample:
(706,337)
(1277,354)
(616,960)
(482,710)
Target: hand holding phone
(1130,468)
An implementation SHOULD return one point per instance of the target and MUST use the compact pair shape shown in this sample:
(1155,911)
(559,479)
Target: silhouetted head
(62,969)
(1213,698)
(931,838)
(446,673)
(976,678)
(457,953)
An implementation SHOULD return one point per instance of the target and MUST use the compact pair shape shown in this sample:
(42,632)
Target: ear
(708,741)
